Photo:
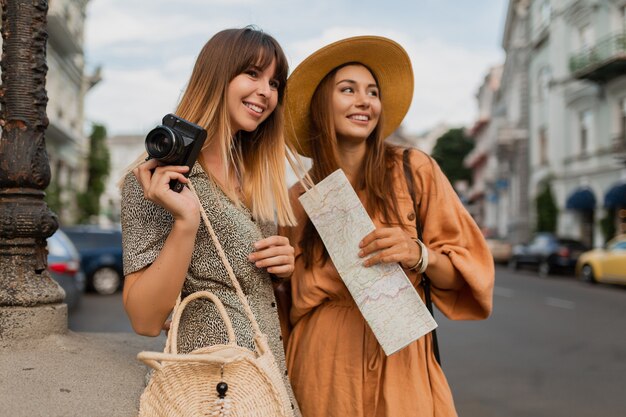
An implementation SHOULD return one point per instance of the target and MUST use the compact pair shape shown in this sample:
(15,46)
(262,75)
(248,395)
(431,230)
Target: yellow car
(604,265)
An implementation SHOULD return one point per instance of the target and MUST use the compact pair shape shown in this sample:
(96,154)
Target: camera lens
(163,144)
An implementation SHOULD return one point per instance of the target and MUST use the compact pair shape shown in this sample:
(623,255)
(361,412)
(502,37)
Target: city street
(553,347)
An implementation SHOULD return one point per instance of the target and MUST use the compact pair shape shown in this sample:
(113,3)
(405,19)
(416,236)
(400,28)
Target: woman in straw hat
(342,102)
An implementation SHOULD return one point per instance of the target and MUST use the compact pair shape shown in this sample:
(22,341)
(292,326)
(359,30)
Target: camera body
(175,142)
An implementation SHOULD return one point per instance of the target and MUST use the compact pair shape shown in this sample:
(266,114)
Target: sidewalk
(74,374)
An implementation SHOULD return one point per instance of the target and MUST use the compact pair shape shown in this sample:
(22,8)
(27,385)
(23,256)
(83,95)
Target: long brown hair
(376,174)
(257,156)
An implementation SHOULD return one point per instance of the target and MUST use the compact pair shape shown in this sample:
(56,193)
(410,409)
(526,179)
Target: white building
(509,195)
(123,149)
(66,85)
(482,160)
(577,111)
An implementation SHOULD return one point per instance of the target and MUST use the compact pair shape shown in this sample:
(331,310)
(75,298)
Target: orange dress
(336,366)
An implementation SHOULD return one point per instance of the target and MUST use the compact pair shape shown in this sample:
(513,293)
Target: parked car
(548,254)
(101,256)
(500,249)
(64,267)
(604,265)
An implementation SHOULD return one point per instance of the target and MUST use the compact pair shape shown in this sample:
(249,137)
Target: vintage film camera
(175,142)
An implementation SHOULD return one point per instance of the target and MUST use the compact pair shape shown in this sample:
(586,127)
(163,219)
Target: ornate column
(25,219)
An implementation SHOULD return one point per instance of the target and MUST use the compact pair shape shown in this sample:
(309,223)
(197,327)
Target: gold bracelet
(424,259)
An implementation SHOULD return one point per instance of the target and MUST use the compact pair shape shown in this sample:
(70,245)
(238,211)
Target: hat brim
(388,61)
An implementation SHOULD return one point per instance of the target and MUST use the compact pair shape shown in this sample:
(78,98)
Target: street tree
(449,151)
(98,168)
(547,210)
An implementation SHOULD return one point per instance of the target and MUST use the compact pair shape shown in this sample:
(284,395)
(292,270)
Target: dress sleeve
(294,233)
(145,226)
(450,230)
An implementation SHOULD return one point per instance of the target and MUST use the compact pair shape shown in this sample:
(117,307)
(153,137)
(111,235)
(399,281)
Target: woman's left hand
(389,245)
(274,253)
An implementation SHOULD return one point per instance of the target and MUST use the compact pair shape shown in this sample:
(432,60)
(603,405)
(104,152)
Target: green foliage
(607,224)
(98,167)
(53,197)
(449,151)
(547,211)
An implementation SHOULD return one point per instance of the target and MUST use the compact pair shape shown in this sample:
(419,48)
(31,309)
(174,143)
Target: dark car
(101,256)
(548,254)
(64,267)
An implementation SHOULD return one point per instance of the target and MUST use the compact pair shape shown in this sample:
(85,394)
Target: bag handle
(242,297)
(408,174)
(172,336)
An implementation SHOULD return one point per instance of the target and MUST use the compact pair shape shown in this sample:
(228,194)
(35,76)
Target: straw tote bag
(220,380)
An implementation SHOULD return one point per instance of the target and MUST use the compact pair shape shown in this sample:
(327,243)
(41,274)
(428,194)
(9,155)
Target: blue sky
(147,49)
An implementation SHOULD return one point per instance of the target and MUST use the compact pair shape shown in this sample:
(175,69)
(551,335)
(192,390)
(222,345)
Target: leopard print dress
(145,227)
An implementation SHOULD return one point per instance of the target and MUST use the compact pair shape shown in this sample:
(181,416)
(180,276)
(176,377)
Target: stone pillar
(25,219)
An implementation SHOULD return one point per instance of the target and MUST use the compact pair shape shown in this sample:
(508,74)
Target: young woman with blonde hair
(343,101)
(236,93)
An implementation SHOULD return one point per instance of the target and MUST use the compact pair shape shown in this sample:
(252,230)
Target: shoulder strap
(242,297)
(408,174)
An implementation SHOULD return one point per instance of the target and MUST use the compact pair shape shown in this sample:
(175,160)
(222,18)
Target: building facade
(124,150)
(577,113)
(66,85)
(511,116)
(482,160)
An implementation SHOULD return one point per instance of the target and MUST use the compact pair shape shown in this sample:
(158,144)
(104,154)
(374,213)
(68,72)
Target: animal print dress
(146,226)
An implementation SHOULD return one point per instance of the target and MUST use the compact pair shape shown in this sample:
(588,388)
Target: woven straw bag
(220,380)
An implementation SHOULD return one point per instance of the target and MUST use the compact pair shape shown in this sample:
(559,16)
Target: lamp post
(25,219)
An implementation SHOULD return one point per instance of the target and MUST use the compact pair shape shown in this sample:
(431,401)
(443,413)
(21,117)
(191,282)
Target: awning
(616,196)
(582,200)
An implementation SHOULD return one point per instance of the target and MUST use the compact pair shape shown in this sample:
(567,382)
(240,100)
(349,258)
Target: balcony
(60,35)
(619,147)
(601,62)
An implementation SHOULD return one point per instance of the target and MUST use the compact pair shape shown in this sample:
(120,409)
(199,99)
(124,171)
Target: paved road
(553,347)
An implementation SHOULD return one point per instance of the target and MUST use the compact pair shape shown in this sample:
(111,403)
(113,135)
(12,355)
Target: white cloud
(446,76)
(133,101)
(148,49)
(446,80)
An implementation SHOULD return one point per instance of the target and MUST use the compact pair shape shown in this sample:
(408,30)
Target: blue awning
(616,196)
(582,200)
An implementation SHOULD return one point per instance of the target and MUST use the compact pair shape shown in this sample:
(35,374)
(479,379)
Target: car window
(619,246)
(93,240)
(56,248)
(60,245)
(542,241)
(573,244)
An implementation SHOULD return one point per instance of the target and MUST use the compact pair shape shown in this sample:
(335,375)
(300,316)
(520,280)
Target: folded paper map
(385,296)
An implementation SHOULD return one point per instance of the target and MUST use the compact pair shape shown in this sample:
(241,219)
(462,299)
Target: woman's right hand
(155,182)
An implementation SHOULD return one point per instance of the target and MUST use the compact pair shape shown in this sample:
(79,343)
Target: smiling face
(252,97)
(356,103)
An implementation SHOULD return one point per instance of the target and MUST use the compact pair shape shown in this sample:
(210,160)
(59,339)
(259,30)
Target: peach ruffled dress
(336,366)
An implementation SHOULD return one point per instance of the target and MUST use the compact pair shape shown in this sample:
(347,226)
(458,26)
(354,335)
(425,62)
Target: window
(623,16)
(543,145)
(543,83)
(585,119)
(585,37)
(544,13)
(619,246)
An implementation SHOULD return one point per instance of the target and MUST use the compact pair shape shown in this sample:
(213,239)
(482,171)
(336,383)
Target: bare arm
(150,294)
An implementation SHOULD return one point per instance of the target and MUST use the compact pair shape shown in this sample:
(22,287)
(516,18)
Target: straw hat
(385,58)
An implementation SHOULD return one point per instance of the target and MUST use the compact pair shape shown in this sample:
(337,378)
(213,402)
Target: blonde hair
(258,156)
